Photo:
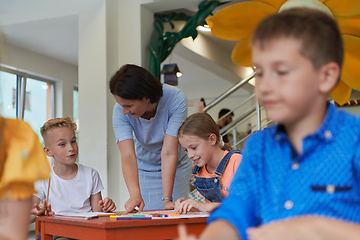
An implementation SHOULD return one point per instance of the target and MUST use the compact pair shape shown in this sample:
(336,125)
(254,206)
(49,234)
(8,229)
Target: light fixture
(204,28)
(171,73)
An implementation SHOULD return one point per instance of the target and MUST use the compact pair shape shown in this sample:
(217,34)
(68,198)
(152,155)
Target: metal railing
(228,92)
(245,116)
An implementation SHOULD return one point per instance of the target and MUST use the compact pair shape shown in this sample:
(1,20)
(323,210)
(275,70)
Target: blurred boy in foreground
(298,179)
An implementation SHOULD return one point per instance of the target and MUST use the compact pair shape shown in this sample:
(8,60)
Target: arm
(100,205)
(131,175)
(169,158)
(95,202)
(14,216)
(306,227)
(220,229)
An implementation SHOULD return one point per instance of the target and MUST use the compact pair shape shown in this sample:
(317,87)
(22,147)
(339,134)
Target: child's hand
(42,209)
(184,206)
(178,202)
(107,205)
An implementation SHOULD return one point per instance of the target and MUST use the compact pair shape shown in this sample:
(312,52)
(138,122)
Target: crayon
(132,218)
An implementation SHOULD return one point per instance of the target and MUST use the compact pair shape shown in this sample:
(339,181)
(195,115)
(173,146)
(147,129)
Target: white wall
(64,74)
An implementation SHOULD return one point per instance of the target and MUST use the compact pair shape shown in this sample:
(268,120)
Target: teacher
(146,118)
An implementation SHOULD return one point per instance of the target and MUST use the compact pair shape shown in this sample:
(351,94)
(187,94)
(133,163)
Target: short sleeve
(41,189)
(96,180)
(22,160)
(122,127)
(178,113)
(239,208)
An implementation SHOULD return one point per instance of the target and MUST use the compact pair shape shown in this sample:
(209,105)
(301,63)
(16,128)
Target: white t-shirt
(71,196)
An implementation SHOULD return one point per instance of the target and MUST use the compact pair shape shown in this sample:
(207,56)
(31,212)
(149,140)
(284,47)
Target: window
(7,87)
(38,103)
(76,105)
(28,97)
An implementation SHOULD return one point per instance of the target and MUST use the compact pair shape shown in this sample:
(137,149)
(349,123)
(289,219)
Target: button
(295,166)
(328,134)
(24,154)
(278,137)
(289,204)
(330,189)
(215,180)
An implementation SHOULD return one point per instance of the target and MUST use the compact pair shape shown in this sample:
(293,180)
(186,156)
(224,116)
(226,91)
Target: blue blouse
(149,134)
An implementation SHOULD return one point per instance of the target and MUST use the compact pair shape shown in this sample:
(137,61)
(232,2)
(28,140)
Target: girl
(215,161)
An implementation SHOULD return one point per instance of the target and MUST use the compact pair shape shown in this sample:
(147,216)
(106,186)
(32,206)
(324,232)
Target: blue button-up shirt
(272,183)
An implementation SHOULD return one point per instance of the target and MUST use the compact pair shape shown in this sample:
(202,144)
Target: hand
(177,203)
(292,229)
(187,205)
(42,209)
(168,204)
(132,202)
(107,205)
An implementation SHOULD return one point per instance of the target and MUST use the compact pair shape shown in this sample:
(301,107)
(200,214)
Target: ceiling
(50,27)
(46,27)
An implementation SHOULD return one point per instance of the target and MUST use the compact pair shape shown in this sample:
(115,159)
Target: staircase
(248,115)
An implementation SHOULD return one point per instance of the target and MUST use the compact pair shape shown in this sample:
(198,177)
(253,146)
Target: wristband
(166,198)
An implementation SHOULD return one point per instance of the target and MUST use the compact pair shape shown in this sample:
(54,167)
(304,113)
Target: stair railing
(245,116)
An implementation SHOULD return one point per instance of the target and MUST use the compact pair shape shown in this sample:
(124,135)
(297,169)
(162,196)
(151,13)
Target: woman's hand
(134,201)
(107,205)
(169,205)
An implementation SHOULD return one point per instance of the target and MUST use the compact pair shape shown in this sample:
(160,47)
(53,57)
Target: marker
(132,218)
(91,217)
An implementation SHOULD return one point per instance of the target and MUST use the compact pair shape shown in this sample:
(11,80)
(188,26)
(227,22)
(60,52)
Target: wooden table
(106,228)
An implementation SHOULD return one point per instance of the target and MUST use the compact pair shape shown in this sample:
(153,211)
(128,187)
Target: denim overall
(210,187)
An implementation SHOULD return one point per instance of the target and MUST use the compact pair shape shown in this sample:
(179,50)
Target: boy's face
(62,145)
(286,83)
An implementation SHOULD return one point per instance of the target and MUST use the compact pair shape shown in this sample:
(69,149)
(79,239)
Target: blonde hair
(202,125)
(56,123)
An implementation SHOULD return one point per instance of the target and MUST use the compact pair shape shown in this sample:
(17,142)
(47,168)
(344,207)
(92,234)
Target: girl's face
(135,107)
(200,151)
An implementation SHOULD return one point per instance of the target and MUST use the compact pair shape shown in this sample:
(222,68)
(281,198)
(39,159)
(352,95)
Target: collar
(325,132)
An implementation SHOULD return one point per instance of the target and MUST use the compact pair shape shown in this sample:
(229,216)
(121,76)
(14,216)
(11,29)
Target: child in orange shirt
(215,161)
(22,163)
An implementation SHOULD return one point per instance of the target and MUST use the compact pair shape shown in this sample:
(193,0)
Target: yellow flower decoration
(237,22)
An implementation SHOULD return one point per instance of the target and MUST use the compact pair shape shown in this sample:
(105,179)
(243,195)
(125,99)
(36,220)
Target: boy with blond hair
(300,178)
(74,188)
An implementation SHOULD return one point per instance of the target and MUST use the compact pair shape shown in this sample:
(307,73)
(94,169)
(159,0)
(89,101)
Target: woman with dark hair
(146,118)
